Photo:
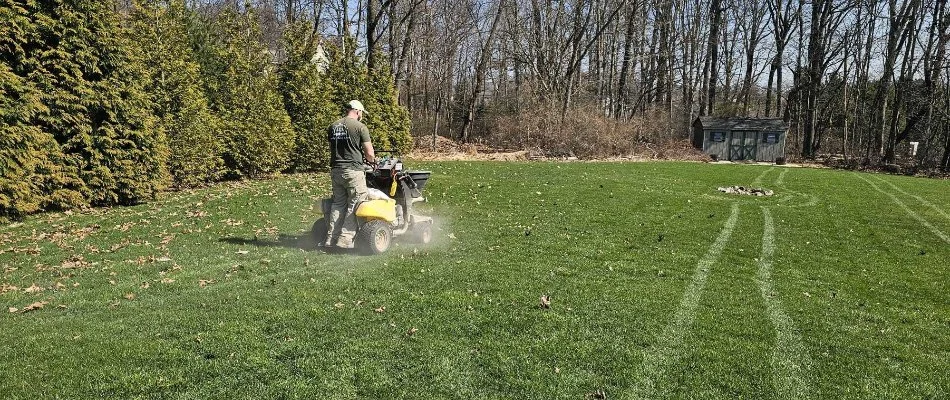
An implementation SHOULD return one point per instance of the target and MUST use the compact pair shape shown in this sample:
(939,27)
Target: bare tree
(484,56)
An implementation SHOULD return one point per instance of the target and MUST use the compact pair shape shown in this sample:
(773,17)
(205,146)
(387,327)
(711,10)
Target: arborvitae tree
(390,122)
(33,176)
(35,106)
(258,137)
(177,94)
(348,78)
(306,98)
(91,87)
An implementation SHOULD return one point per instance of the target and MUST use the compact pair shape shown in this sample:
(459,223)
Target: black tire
(374,237)
(423,233)
(319,232)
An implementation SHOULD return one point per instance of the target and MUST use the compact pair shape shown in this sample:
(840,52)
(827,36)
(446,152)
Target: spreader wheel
(374,237)
(423,232)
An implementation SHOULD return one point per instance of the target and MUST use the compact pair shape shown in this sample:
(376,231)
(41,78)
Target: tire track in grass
(790,360)
(780,181)
(758,180)
(653,380)
(938,232)
(780,184)
(920,199)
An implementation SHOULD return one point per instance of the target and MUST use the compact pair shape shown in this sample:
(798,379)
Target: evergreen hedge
(306,94)
(258,136)
(32,171)
(177,93)
(96,108)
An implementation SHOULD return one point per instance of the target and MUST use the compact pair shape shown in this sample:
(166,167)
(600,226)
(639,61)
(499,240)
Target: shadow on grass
(302,241)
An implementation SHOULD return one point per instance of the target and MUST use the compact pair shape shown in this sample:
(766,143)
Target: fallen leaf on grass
(806,294)
(380,309)
(205,282)
(451,236)
(13,309)
(35,306)
(241,252)
(411,331)
(597,394)
(145,285)
(197,214)
(129,296)
(33,289)
(545,301)
(167,280)
(163,259)
(338,305)
(8,288)
(233,222)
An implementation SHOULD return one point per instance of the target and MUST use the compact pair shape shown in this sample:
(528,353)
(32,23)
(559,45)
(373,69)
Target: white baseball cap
(356,105)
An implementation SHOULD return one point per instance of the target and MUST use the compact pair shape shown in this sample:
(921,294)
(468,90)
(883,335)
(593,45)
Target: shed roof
(743,123)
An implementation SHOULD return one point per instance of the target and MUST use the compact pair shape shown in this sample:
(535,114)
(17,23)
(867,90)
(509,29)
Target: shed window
(770,137)
(718,136)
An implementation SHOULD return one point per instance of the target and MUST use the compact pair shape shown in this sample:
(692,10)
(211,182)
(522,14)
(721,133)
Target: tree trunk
(716,9)
(479,85)
(622,99)
(372,18)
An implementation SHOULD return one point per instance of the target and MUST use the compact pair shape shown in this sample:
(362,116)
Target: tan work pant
(349,189)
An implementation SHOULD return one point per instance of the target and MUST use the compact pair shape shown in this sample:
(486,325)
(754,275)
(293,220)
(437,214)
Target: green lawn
(661,287)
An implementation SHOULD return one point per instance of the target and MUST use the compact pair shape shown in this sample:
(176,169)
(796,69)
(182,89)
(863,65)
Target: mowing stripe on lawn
(758,180)
(910,212)
(790,361)
(920,199)
(657,359)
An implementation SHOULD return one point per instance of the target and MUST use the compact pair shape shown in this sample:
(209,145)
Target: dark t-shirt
(346,137)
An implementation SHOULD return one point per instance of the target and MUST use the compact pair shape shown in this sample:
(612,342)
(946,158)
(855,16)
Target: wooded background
(855,78)
(109,102)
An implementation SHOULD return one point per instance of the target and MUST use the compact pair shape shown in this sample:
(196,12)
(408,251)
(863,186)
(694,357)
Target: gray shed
(739,138)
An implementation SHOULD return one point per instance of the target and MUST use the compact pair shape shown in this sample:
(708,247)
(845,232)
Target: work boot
(344,243)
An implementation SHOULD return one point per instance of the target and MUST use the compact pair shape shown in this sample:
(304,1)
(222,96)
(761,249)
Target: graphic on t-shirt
(339,132)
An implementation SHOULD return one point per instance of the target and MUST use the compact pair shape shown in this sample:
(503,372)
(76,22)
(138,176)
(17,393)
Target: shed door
(743,145)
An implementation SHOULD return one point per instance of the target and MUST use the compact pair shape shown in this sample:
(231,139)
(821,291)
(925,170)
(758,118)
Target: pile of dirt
(448,149)
(445,148)
(443,145)
(680,150)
